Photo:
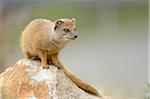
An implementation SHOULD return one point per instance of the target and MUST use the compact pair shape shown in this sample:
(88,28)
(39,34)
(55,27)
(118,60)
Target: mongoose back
(44,39)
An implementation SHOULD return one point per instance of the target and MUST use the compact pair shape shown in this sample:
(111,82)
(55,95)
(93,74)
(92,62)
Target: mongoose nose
(75,36)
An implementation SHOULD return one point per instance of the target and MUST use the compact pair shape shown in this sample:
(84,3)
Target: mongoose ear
(73,20)
(58,24)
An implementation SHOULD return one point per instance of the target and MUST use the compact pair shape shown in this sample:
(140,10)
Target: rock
(28,80)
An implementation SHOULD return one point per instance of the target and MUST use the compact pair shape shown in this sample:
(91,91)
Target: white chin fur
(65,39)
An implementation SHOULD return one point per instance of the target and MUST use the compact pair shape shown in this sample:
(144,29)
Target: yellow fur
(44,39)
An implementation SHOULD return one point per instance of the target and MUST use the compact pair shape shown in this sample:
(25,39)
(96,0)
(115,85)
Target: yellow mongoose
(44,39)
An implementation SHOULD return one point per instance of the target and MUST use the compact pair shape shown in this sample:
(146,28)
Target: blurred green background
(111,52)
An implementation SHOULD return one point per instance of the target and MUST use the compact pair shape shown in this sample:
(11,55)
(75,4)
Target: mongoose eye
(55,27)
(66,30)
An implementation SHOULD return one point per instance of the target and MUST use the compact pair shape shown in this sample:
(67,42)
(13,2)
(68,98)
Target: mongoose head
(65,29)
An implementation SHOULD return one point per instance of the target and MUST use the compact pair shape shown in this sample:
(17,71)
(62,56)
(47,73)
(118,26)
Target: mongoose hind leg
(31,57)
(43,56)
(28,55)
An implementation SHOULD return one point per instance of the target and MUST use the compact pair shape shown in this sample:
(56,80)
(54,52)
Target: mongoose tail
(74,78)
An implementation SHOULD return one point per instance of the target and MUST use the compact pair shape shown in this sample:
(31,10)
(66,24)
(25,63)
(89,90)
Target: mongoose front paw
(46,67)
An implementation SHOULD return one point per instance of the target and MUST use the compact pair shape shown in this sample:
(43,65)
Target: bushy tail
(80,83)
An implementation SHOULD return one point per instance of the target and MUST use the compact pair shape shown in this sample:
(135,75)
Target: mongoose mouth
(72,38)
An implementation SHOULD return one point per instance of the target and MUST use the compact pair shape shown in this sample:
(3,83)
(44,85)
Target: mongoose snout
(75,37)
